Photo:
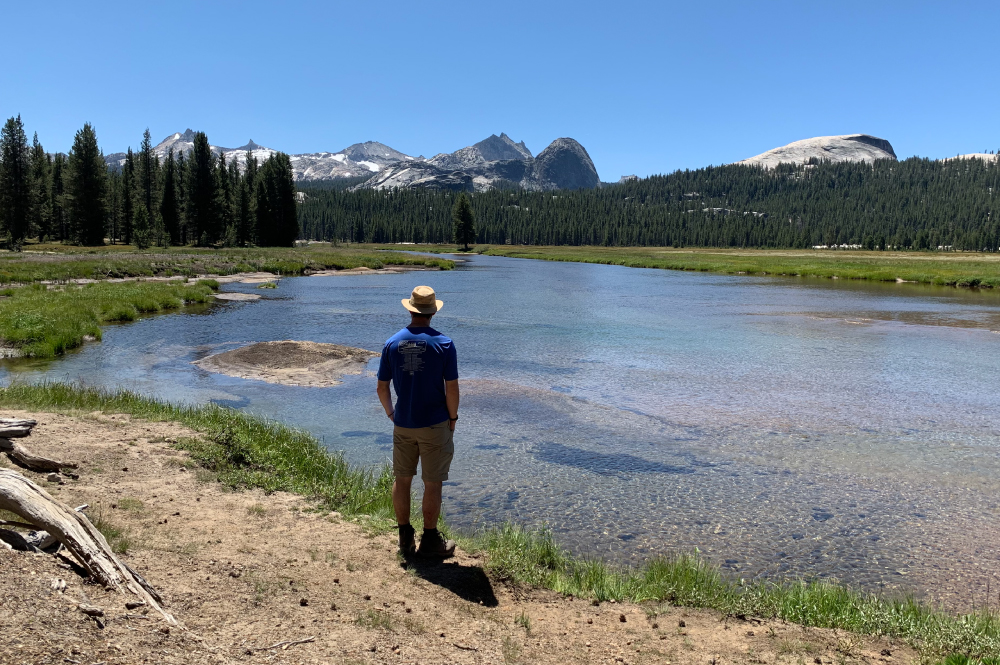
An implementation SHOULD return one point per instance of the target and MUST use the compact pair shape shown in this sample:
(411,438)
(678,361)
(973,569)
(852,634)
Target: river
(787,428)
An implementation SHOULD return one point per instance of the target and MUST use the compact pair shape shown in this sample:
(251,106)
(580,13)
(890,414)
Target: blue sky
(645,87)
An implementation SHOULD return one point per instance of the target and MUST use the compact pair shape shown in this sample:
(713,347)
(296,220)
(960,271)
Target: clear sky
(645,87)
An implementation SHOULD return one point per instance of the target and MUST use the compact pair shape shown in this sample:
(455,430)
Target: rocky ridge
(495,162)
(358,160)
(844,148)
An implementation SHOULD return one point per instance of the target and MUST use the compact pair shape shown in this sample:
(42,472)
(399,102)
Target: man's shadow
(467,582)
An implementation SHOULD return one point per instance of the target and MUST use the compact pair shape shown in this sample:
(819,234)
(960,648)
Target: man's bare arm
(451,399)
(385,397)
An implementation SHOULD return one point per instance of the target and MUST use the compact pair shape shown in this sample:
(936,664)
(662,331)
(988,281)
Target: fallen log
(28,460)
(33,504)
(13,428)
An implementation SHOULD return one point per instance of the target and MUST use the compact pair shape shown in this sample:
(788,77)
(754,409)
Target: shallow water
(785,427)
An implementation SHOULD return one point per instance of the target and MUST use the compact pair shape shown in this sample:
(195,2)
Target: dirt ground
(244,571)
(290,363)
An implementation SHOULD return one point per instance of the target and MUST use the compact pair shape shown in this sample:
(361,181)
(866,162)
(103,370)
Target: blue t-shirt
(418,361)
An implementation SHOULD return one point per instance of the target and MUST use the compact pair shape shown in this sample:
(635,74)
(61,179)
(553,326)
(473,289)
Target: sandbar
(290,363)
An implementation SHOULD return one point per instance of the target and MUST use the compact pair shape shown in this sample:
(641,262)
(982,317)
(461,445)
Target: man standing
(422,365)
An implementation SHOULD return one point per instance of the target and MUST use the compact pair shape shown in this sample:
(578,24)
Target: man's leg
(401,499)
(432,503)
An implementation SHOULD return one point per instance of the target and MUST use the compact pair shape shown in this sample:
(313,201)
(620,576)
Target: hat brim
(438,304)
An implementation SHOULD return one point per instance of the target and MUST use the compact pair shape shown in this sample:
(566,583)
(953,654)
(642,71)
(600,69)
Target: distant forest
(914,204)
(195,198)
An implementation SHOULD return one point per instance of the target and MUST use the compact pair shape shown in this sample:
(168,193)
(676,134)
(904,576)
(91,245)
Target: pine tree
(201,209)
(169,211)
(41,208)
(148,186)
(224,205)
(127,196)
(140,226)
(57,198)
(181,180)
(243,209)
(15,183)
(86,188)
(465,221)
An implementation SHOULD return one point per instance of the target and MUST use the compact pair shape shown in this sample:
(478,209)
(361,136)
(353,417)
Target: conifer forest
(917,204)
(186,199)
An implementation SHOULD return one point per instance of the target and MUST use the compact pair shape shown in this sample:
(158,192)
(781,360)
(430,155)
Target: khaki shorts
(434,446)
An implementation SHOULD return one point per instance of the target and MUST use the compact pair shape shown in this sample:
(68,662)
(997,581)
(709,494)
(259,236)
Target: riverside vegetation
(249,452)
(46,320)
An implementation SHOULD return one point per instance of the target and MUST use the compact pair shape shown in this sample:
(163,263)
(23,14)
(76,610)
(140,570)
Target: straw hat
(422,301)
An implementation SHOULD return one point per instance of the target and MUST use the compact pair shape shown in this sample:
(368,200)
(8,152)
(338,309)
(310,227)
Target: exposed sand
(236,296)
(290,363)
(245,570)
(388,270)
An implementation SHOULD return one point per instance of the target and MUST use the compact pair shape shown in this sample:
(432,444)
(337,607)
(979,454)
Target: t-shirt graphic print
(418,361)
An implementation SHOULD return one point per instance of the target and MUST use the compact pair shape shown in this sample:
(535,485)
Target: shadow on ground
(467,582)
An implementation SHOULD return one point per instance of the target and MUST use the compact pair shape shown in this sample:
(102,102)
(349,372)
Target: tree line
(193,198)
(912,204)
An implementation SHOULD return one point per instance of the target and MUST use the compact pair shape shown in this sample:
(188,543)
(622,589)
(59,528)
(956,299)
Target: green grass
(60,263)
(247,451)
(964,269)
(43,323)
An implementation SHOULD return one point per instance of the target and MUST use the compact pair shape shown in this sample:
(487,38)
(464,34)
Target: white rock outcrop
(846,148)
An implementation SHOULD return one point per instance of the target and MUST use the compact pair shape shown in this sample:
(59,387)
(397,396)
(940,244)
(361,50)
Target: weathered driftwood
(27,459)
(13,428)
(33,504)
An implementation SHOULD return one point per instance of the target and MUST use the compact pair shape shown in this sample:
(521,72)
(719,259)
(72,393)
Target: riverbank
(62,263)
(246,570)
(43,322)
(249,454)
(962,269)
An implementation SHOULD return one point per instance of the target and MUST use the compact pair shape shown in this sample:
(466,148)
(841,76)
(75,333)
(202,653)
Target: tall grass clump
(41,322)
(242,449)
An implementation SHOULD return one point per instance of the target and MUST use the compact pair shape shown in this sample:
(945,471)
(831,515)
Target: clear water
(786,428)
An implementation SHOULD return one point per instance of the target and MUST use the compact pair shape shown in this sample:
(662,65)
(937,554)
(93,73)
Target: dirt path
(243,571)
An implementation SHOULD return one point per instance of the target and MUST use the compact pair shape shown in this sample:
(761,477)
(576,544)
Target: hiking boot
(407,539)
(433,545)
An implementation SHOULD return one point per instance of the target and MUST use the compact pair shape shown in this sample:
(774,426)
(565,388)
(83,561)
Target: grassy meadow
(59,263)
(43,322)
(43,313)
(246,451)
(965,269)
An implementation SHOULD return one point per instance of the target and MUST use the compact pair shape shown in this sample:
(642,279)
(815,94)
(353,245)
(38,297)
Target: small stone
(367,597)
(886,652)
(749,633)
(818,660)
(165,630)
(90,610)
(336,580)
(333,606)
(53,477)
(621,617)
(595,602)
(304,602)
(681,624)
(588,645)
(440,634)
(134,604)
(125,469)
(655,626)
(408,610)
(590,621)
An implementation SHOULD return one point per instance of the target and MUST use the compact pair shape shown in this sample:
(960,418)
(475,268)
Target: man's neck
(419,322)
